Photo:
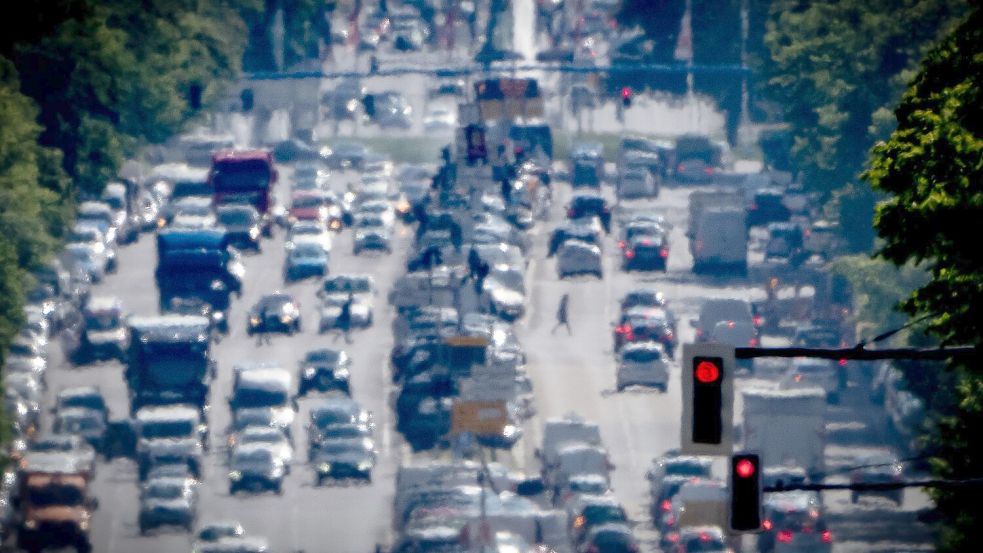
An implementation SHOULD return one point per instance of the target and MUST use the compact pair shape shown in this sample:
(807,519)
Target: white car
(439,119)
(312,231)
(576,257)
(813,373)
(336,291)
(273,437)
(643,364)
(382,209)
(637,183)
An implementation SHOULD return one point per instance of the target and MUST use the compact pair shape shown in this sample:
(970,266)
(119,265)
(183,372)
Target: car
(88,423)
(642,297)
(701,539)
(587,204)
(219,530)
(592,511)
(646,253)
(243,225)
(307,205)
(339,289)
(343,458)
(635,228)
(785,241)
(263,385)
(714,310)
(642,363)
(738,334)
(343,101)
(263,434)
(193,212)
(804,372)
(102,332)
(694,170)
(636,183)
(325,370)
(572,231)
(504,287)
(51,445)
(305,259)
(91,234)
(88,259)
(236,544)
(372,233)
(246,417)
(639,324)
(439,119)
(614,537)
(381,209)
(878,468)
(256,467)
(274,312)
(311,231)
(346,155)
(390,110)
(794,521)
(575,257)
(167,502)
(168,434)
(767,206)
(674,465)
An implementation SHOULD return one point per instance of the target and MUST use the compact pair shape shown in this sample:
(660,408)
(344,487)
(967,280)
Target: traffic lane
(114,527)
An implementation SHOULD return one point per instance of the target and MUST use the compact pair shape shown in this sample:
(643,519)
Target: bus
(243,176)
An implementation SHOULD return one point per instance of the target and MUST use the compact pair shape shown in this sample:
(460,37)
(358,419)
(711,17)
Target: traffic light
(626,97)
(745,492)
(195,90)
(368,102)
(708,399)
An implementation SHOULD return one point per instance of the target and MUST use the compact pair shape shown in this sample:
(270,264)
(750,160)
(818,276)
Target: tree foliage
(837,66)
(931,168)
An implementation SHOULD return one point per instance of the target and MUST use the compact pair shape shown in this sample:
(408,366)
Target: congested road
(571,372)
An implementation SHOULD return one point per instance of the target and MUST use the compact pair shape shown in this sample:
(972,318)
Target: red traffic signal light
(707,400)
(745,492)
(626,96)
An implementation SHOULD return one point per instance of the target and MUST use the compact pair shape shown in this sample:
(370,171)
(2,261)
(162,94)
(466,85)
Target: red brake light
(626,92)
(753,342)
(756,320)
(698,246)
(629,253)
(785,536)
(827,536)
(704,536)
(621,244)
(646,242)
(666,505)
(842,362)
(664,253)
(730,324)
(766,524)
(708,170)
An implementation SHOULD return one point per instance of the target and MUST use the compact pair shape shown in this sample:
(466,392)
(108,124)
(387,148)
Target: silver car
(576,257)
(643,364)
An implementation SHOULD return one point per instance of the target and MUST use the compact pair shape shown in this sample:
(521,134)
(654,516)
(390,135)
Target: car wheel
(279,488)
(854,497)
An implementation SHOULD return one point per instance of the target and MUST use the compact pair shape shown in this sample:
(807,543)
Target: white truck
(719,242)
(786,427)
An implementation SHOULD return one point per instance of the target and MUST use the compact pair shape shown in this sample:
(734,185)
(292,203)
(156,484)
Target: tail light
(708,170)
(630,254)
(664,253)
(730,324)
(767,525)
(842,362)
(673,537)
(621,244)
(753,342)
(704,536)
(756,320)
(646,242)
(699,333)
(671,520)
(827,536)
(785,536)
(623,329)
(666,505)
(698,246)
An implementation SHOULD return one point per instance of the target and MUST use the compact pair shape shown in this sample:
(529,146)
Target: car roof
(167,413)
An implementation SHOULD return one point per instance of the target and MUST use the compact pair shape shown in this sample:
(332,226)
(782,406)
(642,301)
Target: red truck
(244,176)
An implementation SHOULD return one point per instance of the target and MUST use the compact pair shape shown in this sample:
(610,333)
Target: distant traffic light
(708,399)
(368,102)
(195,90)
(626,97)
(745,492)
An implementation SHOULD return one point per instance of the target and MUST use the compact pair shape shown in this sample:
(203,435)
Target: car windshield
(263,436)
(307,201)
(52,444)
(257,397)
(306,230)
(236,217)
(167,429)
(307,249)
(102,321)
(165,490)
(252,457)
(194,210)
(327,417)
(640,355)
(55,495)
(604,513)
(79,424)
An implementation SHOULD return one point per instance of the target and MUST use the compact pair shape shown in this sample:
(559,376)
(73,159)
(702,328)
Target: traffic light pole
(861,354)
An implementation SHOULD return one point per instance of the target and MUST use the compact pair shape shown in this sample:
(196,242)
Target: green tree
(931,168)
(834,64)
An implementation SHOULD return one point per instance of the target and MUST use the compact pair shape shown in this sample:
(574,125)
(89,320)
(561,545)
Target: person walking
(562,315)
(344,321)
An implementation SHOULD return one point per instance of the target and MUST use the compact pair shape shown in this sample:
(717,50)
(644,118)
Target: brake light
(827,536)
(708,170)
(664,253)
(842,362)
(766,524)
(730,324)
(673,538)
(671,520)
(666,505)
(623,329)
(646,242)
(704,536)
(630,254)
(785,536)
(698,246)
(753,342)
(621,244)
(756,320)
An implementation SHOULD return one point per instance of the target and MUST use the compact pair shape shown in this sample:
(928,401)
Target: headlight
(365,465)
(217,285)
(83,525)
(202,428)
(217,315)
(31,524)
(309,372)
(510,430)
(253,233)
(161,222)
(324,467)
(286,318)
(235,476)
(335,224)
(254,320)
(342,374)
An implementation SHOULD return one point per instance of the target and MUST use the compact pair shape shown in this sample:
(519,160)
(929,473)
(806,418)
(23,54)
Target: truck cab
(169,361)
(170,434)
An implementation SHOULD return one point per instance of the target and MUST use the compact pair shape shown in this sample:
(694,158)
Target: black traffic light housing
(368,102)
(195,90)
(745,492)
(626,97)
(248,99)
(708,376)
